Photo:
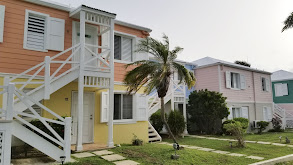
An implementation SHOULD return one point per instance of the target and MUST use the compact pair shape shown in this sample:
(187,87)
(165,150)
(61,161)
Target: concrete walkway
(107,155)
(246,141)
(216,151)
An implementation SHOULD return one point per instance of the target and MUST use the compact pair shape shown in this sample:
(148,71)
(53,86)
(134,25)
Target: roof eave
(51,4)
(133,26)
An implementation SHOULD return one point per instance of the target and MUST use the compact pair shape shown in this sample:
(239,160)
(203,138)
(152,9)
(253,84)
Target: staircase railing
(280,113)
(9,113)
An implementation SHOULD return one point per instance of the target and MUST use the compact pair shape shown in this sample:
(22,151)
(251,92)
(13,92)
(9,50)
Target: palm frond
(288,23)
(184,74)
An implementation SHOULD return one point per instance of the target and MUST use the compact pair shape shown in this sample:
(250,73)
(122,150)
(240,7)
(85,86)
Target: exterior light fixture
(62,158)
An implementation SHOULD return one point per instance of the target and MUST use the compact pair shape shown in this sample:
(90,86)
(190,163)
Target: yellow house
(67,63)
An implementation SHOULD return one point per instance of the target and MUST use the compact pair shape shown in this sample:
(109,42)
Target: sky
(248,30)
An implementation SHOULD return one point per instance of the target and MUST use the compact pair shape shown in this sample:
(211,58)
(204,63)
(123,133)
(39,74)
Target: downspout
(253,83)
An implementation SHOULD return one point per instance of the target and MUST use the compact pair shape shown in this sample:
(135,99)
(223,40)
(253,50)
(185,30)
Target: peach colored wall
(207,78)
(235,94)
(13,57)
(260,95)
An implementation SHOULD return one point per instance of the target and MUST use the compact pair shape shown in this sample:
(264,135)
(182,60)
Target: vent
(36,32)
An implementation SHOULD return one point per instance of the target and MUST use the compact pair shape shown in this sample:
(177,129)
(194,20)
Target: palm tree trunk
(165,121)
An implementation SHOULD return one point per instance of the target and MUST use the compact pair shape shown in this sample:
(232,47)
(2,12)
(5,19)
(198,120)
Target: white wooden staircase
(154,136)
(285,116)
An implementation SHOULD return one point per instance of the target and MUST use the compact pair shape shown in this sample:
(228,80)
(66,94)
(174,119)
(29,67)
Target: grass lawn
(262,150)
(267,137)
(159,154)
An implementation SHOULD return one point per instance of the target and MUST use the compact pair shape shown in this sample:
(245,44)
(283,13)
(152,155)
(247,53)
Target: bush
(156,121)
(136,141)
(207,109)
(277,125)
(244,122)
(225,130)
(176,122)
(236,130)
(262,126)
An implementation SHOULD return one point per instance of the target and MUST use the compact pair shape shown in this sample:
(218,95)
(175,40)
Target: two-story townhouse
(58,61)
(282,86)
(248,90)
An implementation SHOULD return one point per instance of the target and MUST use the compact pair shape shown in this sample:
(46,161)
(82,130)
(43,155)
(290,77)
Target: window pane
(127,106)
(117,47)
(117,106)
(126,49)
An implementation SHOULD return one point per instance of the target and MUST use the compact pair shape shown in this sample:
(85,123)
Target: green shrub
(156,121)
(176,122)
(206,109)
(236,129)
(244,122)
(225,130)
(262,126)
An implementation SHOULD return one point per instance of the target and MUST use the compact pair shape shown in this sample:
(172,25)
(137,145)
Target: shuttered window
(36,31)
(123,48)
(123,108)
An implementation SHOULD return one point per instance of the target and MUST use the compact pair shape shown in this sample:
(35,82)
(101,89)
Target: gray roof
(209,61)
(281,75)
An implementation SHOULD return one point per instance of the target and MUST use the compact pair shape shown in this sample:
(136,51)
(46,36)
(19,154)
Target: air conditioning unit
(254,124)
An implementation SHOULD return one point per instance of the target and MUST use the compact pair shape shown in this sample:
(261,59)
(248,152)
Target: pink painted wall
(260,95)
(288,107)
(237,95)
(207,78)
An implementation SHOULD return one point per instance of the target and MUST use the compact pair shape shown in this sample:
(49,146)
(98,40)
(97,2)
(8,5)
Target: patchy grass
(90,161)
(262,150)
(159,154)
(267,137)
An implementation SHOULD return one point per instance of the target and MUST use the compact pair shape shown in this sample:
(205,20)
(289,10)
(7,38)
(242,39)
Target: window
(265,83)
(178,107)
(236,112)
(281,89)
(123,48)
(35,31)
(235,80)
(267,114)
(42,32)
(2,14)
(123,106)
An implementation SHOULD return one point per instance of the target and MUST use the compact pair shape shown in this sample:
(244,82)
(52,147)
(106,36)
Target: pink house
(248,90)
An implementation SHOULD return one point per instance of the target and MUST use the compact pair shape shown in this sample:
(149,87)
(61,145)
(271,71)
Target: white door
(90,38)
(88,117)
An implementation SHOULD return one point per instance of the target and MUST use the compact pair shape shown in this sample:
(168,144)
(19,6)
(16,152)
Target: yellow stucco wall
(123,133)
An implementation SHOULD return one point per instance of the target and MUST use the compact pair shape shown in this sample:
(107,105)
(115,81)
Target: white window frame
(238,81)
(281,92)
(126,121)
(133,40)
(233,110)
(27,12)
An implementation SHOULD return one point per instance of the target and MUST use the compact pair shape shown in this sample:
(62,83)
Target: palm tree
(156,74)
(288,23)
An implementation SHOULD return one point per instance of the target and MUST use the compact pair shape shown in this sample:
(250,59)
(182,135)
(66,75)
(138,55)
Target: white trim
(126,121)
(49,3)
(27,12)
(124,34)
(132,26)
(219,78)
(247,102)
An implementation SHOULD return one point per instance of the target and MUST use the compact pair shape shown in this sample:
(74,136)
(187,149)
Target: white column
(4,98)
(81,83)
(111,90)
(172,94)
(67,140)
(47,78)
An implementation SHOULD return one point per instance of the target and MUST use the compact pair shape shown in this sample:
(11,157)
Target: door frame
(93,120)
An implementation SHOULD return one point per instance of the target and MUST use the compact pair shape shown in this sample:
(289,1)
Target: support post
(172,94)
(81,83)
(111,90)
(67,138)
(47,78)
(10,101)
(4,98)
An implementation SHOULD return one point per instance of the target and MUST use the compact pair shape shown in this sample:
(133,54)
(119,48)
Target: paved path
(216,151)
(107,155)
(247,141)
